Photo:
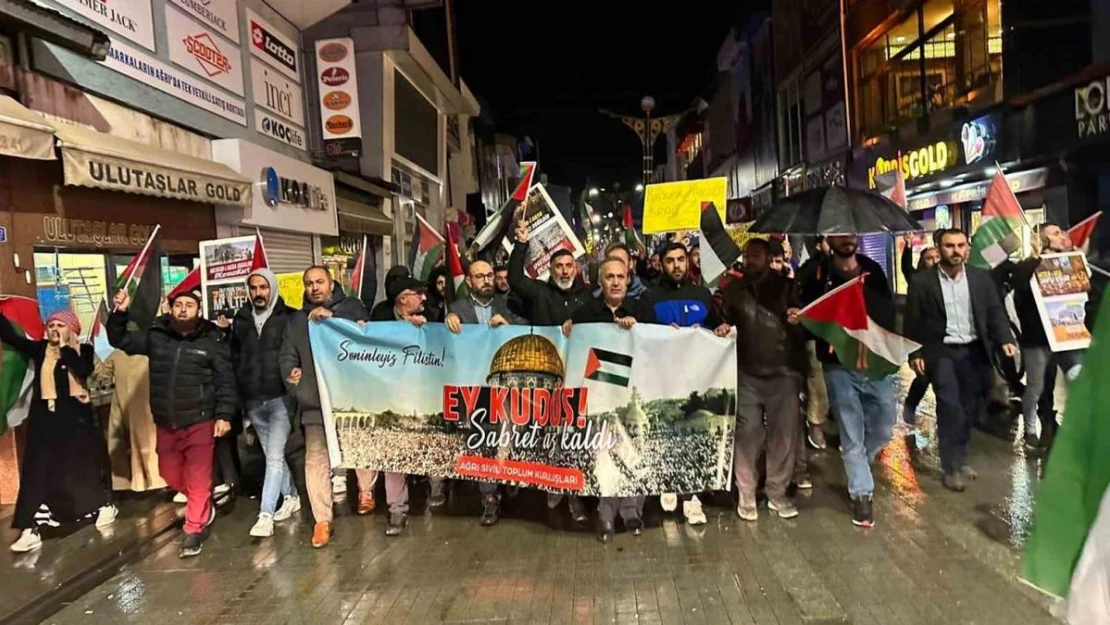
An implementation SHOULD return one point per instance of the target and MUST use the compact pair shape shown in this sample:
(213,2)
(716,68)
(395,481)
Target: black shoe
(491,513)
(397,523)
(438,495)
(605,531)
(862,514)
(636,526)
(954,482)
(192,545)
(577,509)
(1032,442)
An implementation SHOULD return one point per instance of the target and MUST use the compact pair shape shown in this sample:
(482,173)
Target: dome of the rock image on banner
(527,361)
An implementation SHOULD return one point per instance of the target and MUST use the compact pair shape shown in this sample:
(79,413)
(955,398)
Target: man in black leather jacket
(771,365)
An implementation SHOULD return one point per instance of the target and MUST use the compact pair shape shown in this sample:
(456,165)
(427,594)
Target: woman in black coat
(65,475)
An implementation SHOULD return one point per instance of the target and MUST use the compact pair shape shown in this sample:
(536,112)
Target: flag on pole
(426,249)
(364,276)
(459,288)
(17,370)
(1068,501)
(999,234)
(132,275)
(1081,232)
(499,224)
(897,192)
(840,317)
(718,250)
(631,237)
(98,333)
(259,260)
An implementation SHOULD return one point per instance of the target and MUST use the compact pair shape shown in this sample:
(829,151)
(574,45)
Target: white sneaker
(289,507)
(222,489)
(180,498)
(339,484)
(29,540)
(264,526)
(693,512)
(669,501)
(107,515)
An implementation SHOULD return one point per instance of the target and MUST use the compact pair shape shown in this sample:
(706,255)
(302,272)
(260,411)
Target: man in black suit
(956,313)
(487,307)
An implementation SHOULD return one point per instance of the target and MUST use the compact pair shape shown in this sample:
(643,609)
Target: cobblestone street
(934,557)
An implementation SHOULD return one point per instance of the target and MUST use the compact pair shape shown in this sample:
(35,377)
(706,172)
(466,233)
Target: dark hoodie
(255,354)
(297,352)
(545,303)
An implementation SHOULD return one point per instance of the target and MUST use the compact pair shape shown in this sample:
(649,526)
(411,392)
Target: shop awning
(358,218)
(1020,182)
(23,132)
(95,159)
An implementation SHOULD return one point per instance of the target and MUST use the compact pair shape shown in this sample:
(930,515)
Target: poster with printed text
(224,267)
(548,232)
(1060,286)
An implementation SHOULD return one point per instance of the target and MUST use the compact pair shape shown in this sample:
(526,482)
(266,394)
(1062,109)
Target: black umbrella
(835,210)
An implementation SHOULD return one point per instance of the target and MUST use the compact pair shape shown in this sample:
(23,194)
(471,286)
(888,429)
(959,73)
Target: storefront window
(790,125)
(79,281)
(958,45)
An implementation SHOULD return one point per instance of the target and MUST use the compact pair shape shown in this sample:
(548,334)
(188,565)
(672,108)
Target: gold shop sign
(64,231)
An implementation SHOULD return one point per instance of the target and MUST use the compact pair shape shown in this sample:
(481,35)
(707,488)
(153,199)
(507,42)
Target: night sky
(543,69)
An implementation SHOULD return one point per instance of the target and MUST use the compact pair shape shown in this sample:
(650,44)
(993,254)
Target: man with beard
(614,306)
(192,394)
(488,308)
(957,315)
(550,303)
(771,364)
(1038,399)
(256,335)
(864,408)
(681,304)
(322,299)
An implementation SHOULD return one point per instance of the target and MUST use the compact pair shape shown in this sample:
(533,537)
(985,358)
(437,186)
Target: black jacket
(927,320)
(597,311)
(1016,277)
(766,345)
(256,358)
(684,304)
(817,277)
(297,352)
(546,304)
(191,376)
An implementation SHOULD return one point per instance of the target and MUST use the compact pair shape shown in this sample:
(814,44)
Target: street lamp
(639,187)
(648,129)
(593,192)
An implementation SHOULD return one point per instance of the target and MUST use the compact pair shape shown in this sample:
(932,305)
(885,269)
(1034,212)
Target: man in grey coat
(487,307)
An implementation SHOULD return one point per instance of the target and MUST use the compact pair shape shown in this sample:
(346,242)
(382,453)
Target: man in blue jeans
(256,337)
(864,408)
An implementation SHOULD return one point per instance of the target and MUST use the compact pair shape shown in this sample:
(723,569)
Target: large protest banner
(605,412)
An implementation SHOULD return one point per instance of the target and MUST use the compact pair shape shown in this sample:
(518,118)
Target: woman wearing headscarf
(65,475)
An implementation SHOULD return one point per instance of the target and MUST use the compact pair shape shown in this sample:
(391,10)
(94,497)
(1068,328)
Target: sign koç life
(270,45)
(277,189)
(221,15)
(340,124)
(1092,113)
(132,19)
(203,52)
(281,130)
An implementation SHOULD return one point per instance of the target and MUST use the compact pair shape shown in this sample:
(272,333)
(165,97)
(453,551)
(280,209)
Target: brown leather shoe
(366,503)
(321,535)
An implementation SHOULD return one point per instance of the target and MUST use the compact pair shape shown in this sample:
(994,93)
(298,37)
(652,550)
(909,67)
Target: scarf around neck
(47,385)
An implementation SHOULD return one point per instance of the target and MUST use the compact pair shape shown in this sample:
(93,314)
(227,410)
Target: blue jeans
(865,411)
(270,419)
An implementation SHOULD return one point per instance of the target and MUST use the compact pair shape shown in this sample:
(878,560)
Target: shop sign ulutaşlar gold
(64,231)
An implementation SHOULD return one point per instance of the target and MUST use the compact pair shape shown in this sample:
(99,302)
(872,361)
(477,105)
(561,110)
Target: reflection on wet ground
(934,557)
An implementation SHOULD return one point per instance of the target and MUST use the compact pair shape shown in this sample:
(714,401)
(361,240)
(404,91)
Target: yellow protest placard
(291,288)
(740,235)
(671,206)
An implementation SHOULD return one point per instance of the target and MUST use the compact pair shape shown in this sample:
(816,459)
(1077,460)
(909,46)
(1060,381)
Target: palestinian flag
(17,370)
(132,275)
(190,282)
(1081,233)
(364,276)
(897,192)
(1072,518)
(999,234)
(608,367)
(840,318)
(259,259)
(426,249)
(718,250)
(98,334)
(145,287)
(500,224)
(631,237)
(459,289)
